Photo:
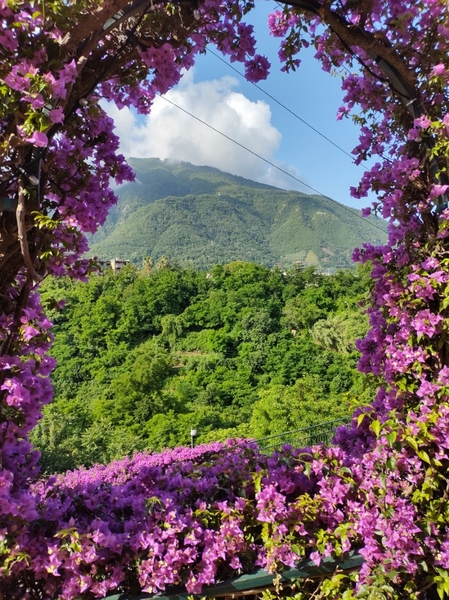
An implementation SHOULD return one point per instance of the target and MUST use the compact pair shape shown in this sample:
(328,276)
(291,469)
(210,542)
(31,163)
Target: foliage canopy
(145,356)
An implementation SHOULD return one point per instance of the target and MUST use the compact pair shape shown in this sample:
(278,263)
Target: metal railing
(256,582)
(304,437)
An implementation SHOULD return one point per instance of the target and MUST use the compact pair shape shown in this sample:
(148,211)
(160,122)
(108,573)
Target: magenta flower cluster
(180,517)
(191,517)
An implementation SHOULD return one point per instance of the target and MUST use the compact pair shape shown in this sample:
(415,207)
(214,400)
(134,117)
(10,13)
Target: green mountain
(201,216)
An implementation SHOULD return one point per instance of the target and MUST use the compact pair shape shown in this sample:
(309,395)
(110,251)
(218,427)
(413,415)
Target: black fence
(322,433)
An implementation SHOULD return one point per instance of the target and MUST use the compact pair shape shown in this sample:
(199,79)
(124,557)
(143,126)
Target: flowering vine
(192,517)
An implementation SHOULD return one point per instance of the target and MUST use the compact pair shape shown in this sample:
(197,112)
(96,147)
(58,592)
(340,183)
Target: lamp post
(192,435)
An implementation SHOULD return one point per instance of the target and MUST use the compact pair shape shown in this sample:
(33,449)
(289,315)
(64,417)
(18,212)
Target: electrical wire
(241,145)
(285,107)
(353,212)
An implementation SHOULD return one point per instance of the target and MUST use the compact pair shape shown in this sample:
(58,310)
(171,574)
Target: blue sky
(215,93)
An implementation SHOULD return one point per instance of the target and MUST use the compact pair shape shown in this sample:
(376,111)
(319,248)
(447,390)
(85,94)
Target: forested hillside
(202,216)
(240,351)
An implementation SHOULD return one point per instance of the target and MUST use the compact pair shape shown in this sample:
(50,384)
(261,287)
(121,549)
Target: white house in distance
(116,264)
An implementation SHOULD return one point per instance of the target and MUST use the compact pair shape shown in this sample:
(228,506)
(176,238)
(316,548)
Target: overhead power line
(241,145)
(265,160)
(317,131)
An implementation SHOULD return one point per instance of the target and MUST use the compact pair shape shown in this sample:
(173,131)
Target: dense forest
(239,351)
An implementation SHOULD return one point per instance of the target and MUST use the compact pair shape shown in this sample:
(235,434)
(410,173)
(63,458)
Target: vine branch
(21,231)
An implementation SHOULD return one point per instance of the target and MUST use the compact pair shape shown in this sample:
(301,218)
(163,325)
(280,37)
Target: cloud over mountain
(170,133)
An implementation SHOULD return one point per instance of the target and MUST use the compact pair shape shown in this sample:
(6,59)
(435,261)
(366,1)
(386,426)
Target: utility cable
(347,208)
(281,7)
(285,107)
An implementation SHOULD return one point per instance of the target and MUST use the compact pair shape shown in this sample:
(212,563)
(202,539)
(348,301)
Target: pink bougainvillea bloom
(38,139)
(439,69)
(257,68)
(56,115)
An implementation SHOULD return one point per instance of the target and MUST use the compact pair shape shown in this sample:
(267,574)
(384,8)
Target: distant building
(116,264)
(103,264)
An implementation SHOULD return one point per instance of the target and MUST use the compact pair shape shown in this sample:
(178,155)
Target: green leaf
(375,427)
(257,479)
(391,463)
(424,456)
(297,549)
(360,419)
(411,442)
(391,437)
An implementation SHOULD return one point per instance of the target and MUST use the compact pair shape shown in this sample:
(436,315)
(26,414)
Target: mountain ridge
(202,216)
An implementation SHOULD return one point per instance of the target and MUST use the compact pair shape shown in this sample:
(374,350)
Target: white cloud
(170,133)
